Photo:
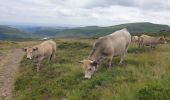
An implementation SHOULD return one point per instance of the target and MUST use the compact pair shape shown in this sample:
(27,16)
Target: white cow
(115,44)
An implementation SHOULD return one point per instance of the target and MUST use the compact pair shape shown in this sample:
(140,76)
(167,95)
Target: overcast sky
(84,12)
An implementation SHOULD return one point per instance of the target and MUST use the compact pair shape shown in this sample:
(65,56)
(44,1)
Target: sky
(84,12)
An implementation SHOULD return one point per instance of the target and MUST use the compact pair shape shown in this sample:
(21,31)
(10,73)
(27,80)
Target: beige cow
(151,41)
(115,44)
(135,39)
(46,49)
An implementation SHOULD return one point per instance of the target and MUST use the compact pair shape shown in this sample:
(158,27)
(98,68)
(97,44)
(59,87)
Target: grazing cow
(115,44)
(151,41)
(46,49)
(135,39)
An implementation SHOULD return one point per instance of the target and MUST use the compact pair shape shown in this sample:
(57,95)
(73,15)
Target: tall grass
(144,75)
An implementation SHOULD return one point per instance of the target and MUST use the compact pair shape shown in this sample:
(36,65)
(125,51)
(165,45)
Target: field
(144,75)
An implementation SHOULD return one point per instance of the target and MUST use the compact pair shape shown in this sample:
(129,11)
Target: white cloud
(84,12)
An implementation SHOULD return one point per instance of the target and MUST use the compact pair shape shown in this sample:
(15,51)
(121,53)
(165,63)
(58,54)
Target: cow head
(162,40)
(89,67)
(30,51)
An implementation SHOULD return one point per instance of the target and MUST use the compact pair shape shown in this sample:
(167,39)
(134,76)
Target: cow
(106,47)
(134,39)
(151,41)
(46,49)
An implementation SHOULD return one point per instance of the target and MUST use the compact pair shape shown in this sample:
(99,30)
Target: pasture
(144,75)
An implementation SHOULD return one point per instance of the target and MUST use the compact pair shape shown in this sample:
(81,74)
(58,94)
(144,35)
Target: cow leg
(152,48)
(39,63)
(110,61)
(123,55)
(49,58)
(142,45)
(121,59)
(53,55)
(38,66)
(139,46)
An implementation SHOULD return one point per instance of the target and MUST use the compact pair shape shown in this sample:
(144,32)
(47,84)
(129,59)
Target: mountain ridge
(11,32)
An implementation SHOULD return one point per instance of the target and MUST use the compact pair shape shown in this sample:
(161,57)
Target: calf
(46,49)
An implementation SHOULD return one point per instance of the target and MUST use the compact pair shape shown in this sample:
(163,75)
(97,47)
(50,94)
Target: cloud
(84,12)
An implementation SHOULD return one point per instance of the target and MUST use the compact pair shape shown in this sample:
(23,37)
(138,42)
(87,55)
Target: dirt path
(9,64)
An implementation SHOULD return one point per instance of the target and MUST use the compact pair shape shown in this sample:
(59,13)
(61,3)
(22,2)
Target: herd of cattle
(106,47)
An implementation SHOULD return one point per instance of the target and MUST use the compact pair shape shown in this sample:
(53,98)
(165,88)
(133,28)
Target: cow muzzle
(29,58)
(87,77)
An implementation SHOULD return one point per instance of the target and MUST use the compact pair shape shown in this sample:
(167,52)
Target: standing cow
(46,49)
(115,44)
(151,41)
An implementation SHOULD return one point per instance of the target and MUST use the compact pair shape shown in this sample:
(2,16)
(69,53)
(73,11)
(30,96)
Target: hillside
(134,28)
(41,31)
(7,32)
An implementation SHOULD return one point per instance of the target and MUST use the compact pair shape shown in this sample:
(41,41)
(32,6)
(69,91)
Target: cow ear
(36,48)
(24,49)
(94,63)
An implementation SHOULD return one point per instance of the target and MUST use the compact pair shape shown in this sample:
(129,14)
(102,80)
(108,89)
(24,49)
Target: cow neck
(95,57)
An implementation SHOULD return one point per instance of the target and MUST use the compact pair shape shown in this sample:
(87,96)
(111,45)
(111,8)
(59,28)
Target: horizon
(84,13)
(67,26)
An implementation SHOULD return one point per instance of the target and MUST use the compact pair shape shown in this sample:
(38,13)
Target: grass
(8,45)
(144,75)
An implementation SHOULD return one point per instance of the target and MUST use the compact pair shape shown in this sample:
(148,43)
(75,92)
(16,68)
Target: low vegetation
(144,75)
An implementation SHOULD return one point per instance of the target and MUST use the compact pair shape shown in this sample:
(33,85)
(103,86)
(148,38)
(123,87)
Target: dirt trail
(9,64)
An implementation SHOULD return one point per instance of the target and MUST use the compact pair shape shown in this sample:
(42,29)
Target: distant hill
(7,32)
(144,27)
(42,31)
(134,28)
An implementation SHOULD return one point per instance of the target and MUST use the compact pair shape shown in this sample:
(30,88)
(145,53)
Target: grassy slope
(144,75)
(7,32)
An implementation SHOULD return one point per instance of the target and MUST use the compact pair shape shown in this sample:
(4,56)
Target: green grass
(144,75)
(6,45)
